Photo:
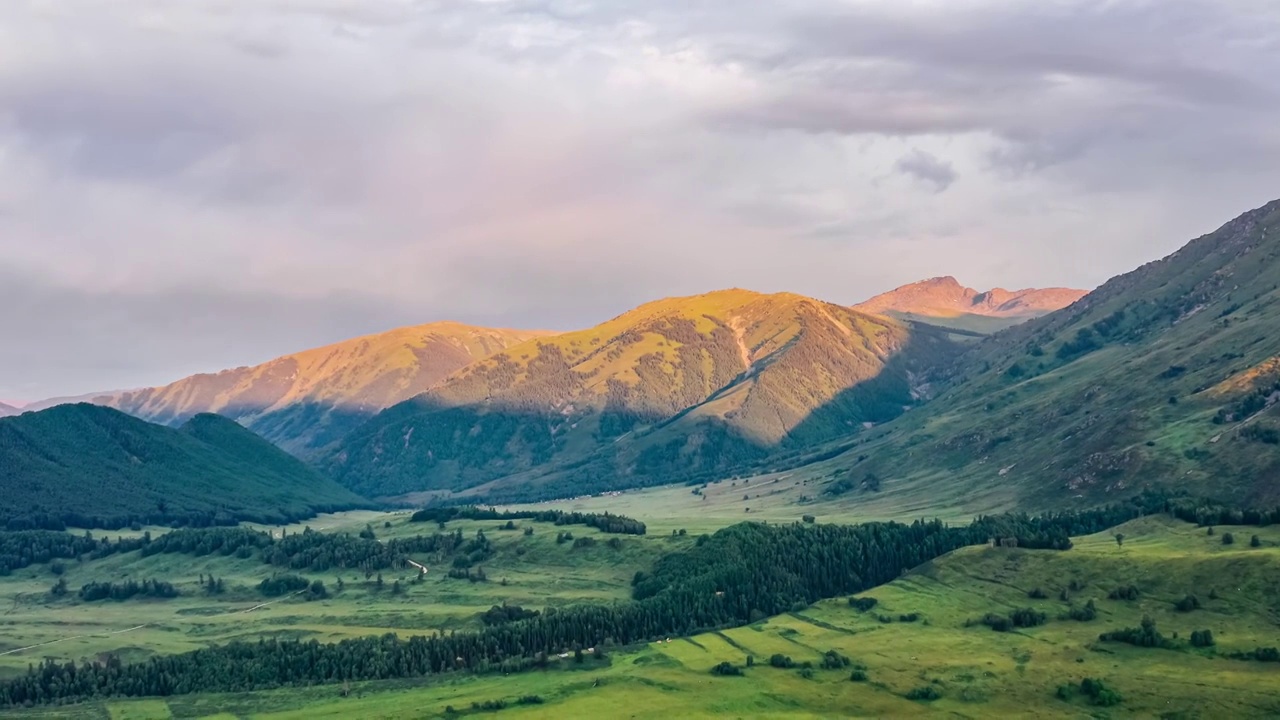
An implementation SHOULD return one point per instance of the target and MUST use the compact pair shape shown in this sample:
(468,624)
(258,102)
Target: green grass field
(977,672)
(532,571)
(780,497)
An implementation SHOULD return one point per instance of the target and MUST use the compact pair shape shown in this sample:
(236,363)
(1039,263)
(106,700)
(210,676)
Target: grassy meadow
(531,571)
(974,670)
(783,497)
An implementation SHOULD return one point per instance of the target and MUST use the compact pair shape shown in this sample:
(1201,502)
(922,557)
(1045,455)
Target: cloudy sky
(186,186)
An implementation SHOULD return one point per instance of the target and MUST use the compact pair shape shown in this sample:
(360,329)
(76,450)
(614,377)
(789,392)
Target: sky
(192,186)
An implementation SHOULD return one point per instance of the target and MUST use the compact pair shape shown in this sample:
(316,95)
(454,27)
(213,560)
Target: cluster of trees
(33,547)
(1126,592)
(503,614)
(1083,614)
(738,575)
(604,522)
(287,584)
(126,589)
(862,604)
(1145,636)
(1095,690)
(1020,618)
(1262,654)
(1187,604)
(1202,638)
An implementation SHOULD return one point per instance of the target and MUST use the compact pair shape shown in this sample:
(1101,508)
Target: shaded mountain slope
(676,387)
(1166,376)
(9,410)
(93,466)
(944,301)
(309,399)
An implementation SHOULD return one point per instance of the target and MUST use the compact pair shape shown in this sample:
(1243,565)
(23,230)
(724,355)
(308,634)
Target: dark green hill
(1166,376)
(93,466)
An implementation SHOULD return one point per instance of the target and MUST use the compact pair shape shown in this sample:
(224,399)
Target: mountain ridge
(943,300)
(690,383)
(1166,377)
(305,400)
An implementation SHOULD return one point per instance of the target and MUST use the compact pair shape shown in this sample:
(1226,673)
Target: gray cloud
(208,183)
(927,168)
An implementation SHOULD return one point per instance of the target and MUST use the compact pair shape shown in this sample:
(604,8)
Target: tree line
(736,576)
(604,522)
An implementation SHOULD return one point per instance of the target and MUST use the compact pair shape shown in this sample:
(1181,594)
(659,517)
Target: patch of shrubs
(1095,690)
(1202,638)
(278,585)
(862,604)
(1022,617)
(925,693)
(503,614)
(1187,604)
(1083,614)
(1128,592)
(833,660)
(1262,654)
(1144,636)
(779,660)
(726,669)
(1037,594)
(858,675)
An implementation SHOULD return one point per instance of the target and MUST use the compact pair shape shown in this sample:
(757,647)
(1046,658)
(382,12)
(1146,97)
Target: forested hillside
(92,466)
(675,388)
(1165,376)
(307,400)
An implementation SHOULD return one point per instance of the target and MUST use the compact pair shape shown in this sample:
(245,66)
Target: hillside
(307,400)
(93,466)
(675,388)
(944,301)
(1165,376)
(9,410)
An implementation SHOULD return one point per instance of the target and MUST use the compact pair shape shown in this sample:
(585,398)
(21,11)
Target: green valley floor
(923,639)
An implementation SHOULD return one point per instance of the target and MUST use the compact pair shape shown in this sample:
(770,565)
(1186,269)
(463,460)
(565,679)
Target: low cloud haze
(198,185)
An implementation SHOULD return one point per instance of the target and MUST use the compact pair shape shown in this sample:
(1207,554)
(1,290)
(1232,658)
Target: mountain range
(9,410)
(93,466)
(308,400)
(676,388)
(1167,377)
(944,301)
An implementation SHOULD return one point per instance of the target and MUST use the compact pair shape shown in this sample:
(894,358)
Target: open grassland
(780,497)
(528,570)
(976,671)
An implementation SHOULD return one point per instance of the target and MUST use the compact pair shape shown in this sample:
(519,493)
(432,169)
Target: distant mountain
(97,398)
(307,400)
(9,410)
(1165,377)
(93,466)
(676,388)
(944,301)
